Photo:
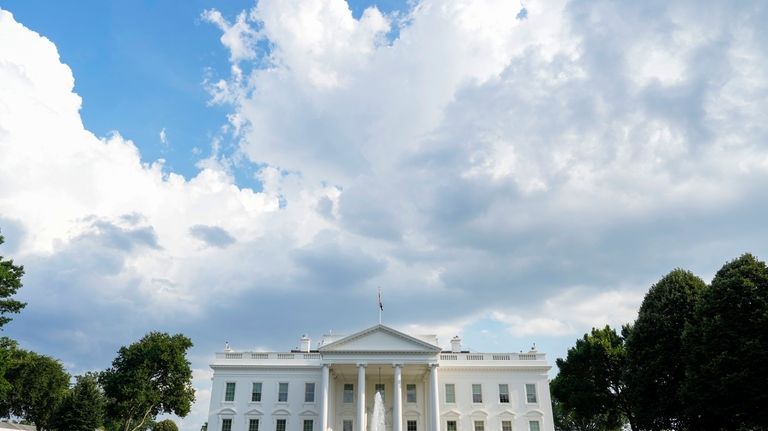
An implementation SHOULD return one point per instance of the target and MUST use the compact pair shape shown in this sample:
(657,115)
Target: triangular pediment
(379,338)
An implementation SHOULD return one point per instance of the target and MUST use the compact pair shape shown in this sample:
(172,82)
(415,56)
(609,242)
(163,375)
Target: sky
(510,172)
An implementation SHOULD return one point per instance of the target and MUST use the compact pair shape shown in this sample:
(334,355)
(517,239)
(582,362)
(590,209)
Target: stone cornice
(480,369)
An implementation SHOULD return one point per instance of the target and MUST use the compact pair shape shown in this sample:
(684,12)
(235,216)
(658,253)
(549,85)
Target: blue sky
(140,66)
(513,180)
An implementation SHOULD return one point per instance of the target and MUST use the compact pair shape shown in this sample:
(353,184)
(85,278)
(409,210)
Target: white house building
(424,388)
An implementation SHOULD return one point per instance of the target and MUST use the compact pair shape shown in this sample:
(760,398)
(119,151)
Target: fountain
(377,421)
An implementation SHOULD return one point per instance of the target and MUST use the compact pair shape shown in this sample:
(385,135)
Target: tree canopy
(727,345)
(82,409)
(165,425)
(38,385)
(10,282)
(693,360)
(147,378)
(590,385)
(7,346)
(569,420)
(655,371)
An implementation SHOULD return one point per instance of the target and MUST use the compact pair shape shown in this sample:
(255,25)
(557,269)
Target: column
(397,399)
(360,397)
(434,405)
(324,398)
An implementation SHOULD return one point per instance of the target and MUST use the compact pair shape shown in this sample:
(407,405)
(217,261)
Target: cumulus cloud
(490,153)
(571,311)
(92,220)
(212,235)
(238,37)
(537,170)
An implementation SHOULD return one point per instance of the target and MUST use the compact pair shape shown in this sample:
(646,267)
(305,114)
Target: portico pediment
(379,338)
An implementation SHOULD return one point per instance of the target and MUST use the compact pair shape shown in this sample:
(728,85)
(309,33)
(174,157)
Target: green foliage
(38,384)
(655,372)
(7,346)
(10,282)
(591,383)
(112,425)
(149,377)
(83,407)
(727,345)
(569,420)
(165,425)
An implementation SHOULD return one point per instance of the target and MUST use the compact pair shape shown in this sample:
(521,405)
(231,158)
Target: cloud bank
(534,170)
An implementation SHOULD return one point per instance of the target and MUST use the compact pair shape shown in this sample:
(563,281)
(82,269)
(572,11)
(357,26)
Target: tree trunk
(143,419)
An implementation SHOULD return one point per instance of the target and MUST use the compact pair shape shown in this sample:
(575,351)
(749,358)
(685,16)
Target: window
(477,393)
(533,426)
(309,425)
(504,393)
(309,392)
(410,393)
(280,424)
(346,425)
(256,392)
(349,393)
(451,426)
(530,392)
(282,393)
(229,392)
(380,389)
(410,425)
(226,425)
(253,425)
(506,425)
(450,393)
(479,426)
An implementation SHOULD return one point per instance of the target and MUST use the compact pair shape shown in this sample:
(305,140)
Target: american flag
(381,306)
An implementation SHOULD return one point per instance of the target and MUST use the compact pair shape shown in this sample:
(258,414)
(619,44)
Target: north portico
(424,387)
(379,356)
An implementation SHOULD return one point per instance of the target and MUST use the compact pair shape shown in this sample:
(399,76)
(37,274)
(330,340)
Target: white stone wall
(464,411)
(269,409)
(491,410)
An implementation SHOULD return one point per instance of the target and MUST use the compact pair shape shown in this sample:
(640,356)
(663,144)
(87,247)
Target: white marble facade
(424,387)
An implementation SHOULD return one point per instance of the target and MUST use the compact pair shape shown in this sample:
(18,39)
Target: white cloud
(475,152)
(469,162)
(573,312)
(238,37)
(163,137)
(59,180)
(320,40)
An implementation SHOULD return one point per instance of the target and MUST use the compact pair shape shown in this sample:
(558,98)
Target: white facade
(424,388)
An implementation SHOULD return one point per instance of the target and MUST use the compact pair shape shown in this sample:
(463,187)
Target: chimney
(456,344)
(304,343)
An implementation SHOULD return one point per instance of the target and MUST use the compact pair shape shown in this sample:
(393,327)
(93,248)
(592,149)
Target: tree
(83,407)
(165,425)
(10,282)
(149,377)
(727,345)
(7,348)
(655,373)
(38,384)
(569,420)
(591,383)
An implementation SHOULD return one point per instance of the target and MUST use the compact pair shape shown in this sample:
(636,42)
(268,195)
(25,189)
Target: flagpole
(381,306)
